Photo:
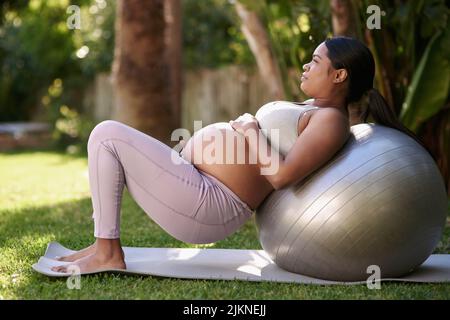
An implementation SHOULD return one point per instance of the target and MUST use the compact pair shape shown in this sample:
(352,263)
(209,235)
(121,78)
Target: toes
(62,269)
(62,258)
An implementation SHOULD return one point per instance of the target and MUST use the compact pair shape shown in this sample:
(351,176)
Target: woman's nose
(305,66)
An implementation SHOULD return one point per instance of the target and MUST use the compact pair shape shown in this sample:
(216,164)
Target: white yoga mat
(225,264)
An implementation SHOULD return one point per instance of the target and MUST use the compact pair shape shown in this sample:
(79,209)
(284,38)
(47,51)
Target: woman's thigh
(174,193)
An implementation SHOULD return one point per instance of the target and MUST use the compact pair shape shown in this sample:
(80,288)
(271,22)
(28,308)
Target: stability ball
(380,200)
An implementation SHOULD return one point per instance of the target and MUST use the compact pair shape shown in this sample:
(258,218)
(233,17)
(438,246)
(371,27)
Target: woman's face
(319,77)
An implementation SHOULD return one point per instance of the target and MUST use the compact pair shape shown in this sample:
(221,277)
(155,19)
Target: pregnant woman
(206,201)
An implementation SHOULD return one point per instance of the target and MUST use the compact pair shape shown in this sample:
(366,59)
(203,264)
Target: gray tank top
(284,116)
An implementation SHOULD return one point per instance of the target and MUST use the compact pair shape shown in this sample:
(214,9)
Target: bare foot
(79,254)
(94,262)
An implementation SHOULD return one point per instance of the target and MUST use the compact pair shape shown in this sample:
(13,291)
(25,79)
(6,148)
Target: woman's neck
(328,103)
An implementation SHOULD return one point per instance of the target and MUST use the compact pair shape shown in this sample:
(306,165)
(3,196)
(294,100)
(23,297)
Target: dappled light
(120,121)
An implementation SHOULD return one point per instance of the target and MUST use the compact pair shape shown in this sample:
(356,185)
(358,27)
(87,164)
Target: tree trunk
(344,24)
(173,40)
(259,43)
(342,18)
(145,70)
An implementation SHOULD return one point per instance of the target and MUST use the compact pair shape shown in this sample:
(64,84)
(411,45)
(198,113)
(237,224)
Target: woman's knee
(104,130)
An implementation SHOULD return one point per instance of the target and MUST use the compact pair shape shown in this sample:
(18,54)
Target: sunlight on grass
(40,178)
(31,181)
(204,245)
(16,255)
(45,197)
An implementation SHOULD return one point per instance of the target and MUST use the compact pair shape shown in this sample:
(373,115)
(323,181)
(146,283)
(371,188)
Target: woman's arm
(267,158)
(324,135)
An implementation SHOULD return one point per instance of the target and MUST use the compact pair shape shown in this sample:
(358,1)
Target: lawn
(44,196)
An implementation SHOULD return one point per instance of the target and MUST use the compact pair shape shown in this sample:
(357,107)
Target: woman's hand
(244,123)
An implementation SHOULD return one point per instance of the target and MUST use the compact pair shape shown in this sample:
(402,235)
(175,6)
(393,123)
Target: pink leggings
(189,204)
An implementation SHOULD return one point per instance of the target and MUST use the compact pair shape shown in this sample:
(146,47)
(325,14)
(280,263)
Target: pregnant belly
(223,153)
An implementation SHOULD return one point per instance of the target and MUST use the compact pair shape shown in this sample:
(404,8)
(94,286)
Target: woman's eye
(315,61)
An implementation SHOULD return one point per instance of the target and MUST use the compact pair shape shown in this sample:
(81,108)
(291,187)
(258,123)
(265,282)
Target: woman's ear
(340,75)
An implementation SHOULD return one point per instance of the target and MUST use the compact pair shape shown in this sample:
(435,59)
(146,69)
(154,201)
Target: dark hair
(355,57)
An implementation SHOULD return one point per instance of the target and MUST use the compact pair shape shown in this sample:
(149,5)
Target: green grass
(44,196)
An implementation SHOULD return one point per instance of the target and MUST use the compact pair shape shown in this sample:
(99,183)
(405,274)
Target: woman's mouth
(303,78)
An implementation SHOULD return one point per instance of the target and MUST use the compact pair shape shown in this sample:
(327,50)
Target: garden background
(68,65)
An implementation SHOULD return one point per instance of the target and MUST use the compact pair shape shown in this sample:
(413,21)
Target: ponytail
(354,56)
(382,114)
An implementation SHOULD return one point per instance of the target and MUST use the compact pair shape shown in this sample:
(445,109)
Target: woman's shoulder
(332,113)
(334,117)
(306,103)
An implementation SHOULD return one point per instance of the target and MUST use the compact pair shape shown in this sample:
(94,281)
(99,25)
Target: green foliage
(211,35)
(27,61)
(412,51)
(38,52)
(414,61)
(430,83)
(46,66)
(296,28)
(45,197)
(72,130)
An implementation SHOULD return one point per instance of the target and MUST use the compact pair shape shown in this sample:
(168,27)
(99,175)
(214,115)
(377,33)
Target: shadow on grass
(25,233)
(70,223)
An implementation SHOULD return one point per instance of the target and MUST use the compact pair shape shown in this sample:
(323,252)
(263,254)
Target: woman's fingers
(244,116)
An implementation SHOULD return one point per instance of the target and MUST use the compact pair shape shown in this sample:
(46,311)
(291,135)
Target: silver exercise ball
(380,200)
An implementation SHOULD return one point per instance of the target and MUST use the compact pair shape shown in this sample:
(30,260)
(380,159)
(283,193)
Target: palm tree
(260,44)
(146,67)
